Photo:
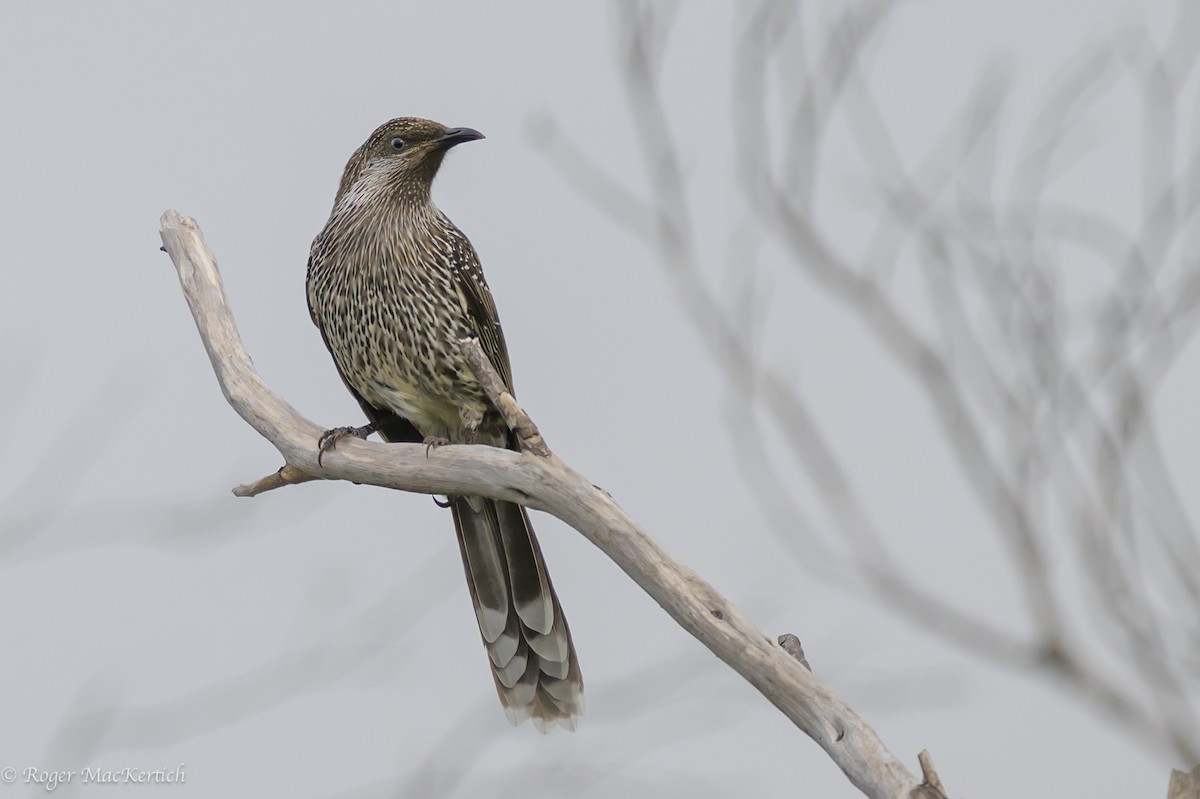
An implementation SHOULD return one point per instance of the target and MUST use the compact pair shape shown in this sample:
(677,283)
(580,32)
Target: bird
(394,286)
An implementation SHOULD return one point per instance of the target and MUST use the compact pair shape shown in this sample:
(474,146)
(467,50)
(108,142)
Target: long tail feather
(522,624)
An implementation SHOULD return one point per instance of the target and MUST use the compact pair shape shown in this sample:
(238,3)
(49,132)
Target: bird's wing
(480,307)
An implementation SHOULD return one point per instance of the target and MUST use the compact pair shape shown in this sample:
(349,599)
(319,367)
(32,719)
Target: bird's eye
(397,144)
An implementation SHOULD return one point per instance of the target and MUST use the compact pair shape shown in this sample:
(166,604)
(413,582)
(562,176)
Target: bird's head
(403,156)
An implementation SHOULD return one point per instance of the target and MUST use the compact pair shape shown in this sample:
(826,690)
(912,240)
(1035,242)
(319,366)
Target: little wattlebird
(393,287)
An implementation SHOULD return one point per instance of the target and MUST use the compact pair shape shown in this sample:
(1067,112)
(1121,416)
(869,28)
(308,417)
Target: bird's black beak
(458,136)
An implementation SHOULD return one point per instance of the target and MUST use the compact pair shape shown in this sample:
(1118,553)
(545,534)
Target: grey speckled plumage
(393,286)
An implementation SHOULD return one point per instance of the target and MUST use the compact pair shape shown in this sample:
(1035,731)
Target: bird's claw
(433,442)
(330,438)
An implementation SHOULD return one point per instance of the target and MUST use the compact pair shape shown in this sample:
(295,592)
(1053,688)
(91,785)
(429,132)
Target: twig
(931,785)
(514,415)
(286,476)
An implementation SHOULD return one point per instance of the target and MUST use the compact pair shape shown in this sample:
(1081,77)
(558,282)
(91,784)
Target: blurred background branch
(1037,330)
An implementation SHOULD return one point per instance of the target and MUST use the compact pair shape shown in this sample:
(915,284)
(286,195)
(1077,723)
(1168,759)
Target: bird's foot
(433,442)
(330,438)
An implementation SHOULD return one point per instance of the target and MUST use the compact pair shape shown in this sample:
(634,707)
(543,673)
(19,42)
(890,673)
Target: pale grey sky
(318,641)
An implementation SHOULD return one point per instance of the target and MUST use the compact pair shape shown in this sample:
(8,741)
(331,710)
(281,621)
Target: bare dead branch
(544,483)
